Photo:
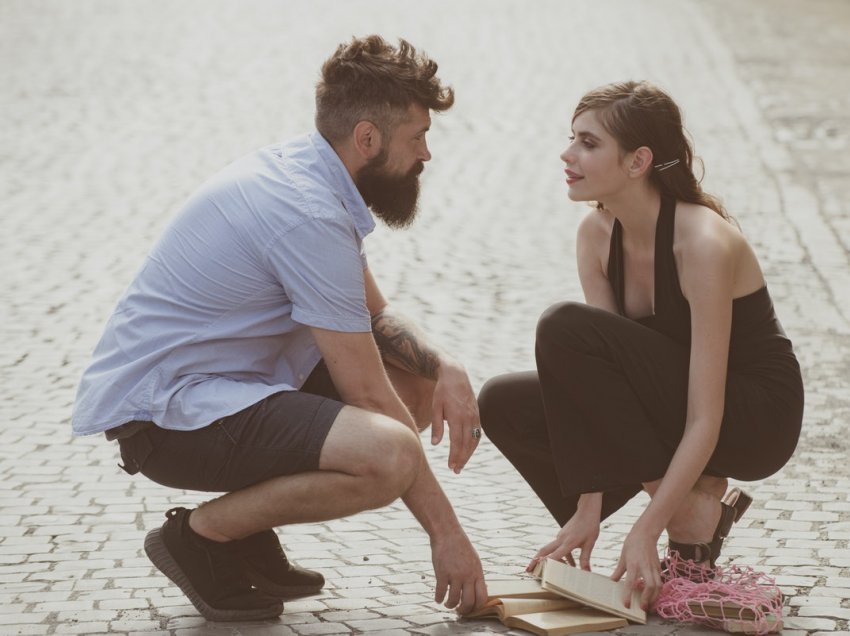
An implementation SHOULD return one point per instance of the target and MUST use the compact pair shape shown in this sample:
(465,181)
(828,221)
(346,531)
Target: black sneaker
(267,567)
(207,572)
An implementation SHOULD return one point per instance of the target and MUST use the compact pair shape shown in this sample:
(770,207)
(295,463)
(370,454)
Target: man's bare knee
(383,453)
(395,467)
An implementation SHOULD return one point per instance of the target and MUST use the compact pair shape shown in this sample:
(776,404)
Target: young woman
(675,375)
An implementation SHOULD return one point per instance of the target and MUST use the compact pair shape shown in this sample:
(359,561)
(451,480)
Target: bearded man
(254,354)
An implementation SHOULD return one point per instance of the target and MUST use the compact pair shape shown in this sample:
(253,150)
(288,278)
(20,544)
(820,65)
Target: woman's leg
(699,513)
(614,394)
(512,415)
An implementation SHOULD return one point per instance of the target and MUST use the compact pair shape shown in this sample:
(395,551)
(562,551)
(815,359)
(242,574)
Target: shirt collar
(343,186)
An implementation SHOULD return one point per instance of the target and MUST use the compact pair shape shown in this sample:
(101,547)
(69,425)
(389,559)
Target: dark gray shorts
(281,435)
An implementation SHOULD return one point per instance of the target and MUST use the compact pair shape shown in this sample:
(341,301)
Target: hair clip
(663,166)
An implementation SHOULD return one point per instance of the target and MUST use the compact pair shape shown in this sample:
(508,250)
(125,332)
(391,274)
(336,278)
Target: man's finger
(455,589)
(436,425)
(467,602)
(469,426)
(480,592)
(474,433)
(440,592)
(470,444)
(455,444)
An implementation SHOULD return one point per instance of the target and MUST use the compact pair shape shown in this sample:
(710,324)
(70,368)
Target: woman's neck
(637,210)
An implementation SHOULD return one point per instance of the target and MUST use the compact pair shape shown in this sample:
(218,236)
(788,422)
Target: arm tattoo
(400,342)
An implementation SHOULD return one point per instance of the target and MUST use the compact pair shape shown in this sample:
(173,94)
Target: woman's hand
(581,531)
(639,562)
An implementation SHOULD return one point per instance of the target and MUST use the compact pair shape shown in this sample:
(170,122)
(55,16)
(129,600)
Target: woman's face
(595,162)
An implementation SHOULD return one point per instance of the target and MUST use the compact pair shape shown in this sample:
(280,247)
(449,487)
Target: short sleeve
(319,263)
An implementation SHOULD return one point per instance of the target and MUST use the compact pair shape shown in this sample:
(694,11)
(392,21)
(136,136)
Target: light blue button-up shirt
(218,316)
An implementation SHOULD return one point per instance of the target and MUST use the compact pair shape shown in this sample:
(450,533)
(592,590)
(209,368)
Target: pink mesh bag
(733,598)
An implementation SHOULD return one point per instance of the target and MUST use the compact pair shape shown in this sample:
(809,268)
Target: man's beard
(393,198)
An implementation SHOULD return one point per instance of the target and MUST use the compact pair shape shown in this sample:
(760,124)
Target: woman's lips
(572,177)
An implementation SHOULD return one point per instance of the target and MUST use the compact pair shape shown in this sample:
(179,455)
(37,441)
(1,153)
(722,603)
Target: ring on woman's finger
(476,433)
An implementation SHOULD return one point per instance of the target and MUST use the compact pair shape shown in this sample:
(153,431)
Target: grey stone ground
(112,112)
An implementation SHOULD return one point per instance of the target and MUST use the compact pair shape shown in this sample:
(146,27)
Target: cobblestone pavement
(112,112)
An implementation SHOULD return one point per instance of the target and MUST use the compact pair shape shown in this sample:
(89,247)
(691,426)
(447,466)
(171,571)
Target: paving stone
(810,624)
(375,624)
(322,628)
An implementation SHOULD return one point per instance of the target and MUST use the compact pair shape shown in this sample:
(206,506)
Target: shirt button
(300,376)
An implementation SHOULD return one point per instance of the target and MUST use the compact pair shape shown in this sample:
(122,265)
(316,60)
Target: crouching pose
(675,375)
(255,355)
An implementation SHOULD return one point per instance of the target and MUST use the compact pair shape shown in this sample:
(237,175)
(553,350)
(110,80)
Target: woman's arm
(582,529)
(707,282)
(707,279)
(592,246)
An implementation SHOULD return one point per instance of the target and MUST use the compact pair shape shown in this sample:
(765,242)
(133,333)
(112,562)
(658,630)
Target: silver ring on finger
(476,433)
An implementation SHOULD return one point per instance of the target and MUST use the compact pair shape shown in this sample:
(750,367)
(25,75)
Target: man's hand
(455,403)
(458,571)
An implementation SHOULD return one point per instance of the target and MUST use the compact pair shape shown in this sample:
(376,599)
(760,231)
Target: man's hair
(369,79)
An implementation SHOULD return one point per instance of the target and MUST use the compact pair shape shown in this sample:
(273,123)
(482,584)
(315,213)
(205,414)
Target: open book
(734,613)
(589,588)
(566,600)
(525,604)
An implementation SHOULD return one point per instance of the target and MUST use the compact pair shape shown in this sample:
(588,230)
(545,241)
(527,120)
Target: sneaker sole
(160,556)
(279,591)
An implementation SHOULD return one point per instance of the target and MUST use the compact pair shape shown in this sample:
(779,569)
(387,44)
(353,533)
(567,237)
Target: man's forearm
(429,504)
(404,345)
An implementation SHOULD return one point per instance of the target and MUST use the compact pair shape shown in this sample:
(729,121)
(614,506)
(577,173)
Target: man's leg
(303,459)
(367,461)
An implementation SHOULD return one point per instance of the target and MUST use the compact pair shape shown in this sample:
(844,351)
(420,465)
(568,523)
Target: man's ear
(367,139)
(641,162)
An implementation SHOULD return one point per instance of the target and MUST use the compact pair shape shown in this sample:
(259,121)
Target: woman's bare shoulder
(707,240)
(596,226)
(697,225)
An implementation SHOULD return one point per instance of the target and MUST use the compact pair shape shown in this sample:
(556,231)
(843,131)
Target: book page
(518,588)
(502,608)
(591,589)
(515,606)
(562,622)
